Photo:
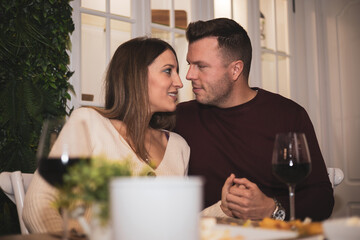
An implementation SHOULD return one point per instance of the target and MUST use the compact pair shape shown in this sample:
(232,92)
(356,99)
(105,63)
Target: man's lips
(197,89)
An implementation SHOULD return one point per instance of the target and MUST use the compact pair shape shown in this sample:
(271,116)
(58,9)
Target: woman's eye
(168,71)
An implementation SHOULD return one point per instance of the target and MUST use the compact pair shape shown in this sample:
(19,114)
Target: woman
(141,88)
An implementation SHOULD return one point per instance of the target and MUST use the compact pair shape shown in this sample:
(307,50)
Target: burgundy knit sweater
(240,140)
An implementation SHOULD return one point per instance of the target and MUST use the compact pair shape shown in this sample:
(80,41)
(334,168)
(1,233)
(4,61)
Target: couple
(230,127)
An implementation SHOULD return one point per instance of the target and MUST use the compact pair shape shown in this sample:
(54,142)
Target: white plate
(252,233)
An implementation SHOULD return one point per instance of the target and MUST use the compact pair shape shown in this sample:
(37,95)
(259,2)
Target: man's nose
(192,73)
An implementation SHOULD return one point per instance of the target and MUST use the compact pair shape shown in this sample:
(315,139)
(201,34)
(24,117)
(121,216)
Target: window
(101,26)
(169,20)
(275,57)
(268,32)
(233,9)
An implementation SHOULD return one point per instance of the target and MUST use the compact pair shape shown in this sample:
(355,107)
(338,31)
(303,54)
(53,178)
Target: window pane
(164,35)
(283,74)
(160,4)
(268,69)
(267,11)
(182,13)
(240,12)
(98,5)
(93,58)
(160,13)
(222,8)
(121,7)
(282,26)
(120,32)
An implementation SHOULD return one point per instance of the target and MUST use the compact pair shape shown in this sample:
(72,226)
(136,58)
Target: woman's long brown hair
(126,90)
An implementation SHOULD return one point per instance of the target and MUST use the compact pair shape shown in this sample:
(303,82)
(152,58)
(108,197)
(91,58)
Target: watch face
(280,214)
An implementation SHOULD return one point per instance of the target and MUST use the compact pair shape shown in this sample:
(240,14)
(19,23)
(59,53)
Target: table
(37,236)
(54,236)
(46,236)
(29,237)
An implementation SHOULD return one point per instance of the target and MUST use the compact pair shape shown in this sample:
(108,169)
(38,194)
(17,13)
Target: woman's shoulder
(178,139)
(85,113)
(89,116)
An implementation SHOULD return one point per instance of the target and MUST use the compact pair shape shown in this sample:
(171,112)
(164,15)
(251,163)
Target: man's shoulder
(187,106)
(186,112)
(278,100)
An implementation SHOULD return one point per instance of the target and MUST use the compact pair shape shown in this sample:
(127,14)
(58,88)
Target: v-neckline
(122,140)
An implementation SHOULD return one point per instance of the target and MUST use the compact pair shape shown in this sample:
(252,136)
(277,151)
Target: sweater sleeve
(39,214)
(314,196)
(214,211)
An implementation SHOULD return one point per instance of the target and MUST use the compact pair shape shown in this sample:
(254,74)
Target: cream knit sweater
(39,215)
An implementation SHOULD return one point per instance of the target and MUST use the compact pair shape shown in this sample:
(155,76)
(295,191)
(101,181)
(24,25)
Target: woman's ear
(236,69)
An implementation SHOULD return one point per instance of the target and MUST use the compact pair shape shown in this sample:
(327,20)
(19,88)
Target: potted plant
(86,186)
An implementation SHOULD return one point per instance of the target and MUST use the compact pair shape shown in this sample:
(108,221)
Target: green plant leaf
(87,183)
(32,83)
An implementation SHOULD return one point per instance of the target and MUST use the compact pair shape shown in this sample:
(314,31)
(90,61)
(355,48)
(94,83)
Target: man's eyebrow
(196,62)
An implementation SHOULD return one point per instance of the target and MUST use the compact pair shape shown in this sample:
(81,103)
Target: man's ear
(236,69)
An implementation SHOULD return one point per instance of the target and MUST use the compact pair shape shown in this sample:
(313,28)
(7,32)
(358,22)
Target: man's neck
(240,95)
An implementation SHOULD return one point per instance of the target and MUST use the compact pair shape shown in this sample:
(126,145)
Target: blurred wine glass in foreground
(61,146)
(291,162)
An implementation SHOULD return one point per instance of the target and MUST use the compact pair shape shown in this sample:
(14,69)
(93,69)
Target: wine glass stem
(292,201)
(65,217)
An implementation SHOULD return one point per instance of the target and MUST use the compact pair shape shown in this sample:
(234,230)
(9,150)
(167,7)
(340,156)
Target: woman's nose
(177,82)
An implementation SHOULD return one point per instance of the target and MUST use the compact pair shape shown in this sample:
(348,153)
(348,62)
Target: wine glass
(61,146)
(291,162)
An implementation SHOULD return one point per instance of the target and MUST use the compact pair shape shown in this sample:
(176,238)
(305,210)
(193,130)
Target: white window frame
(142,25)
(139,16)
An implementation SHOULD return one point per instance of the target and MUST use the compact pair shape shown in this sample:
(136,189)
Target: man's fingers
(229,181)
(245,182)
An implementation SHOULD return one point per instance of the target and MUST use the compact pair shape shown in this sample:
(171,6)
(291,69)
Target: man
(231,128)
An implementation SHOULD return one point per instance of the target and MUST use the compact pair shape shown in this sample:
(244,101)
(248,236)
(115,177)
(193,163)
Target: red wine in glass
(291,162)
(291,174)
(61,146)
(53,169)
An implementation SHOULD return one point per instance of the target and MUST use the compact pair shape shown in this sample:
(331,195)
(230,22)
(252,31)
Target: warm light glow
(222,8)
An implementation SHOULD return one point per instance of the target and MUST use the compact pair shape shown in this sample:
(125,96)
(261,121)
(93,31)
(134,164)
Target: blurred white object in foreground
(160,208)
(342,228)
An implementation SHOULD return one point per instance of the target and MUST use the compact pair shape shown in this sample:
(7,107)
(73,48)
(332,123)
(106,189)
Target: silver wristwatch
(279,212)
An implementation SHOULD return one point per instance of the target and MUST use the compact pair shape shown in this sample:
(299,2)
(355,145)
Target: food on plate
(309,229)
(275,224)
(208,232)
(305,228)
